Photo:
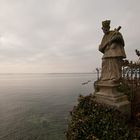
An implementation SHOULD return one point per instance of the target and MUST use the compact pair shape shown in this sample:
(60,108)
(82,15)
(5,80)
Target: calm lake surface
(36,106)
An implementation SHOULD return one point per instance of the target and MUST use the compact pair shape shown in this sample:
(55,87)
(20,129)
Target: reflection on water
(36,106)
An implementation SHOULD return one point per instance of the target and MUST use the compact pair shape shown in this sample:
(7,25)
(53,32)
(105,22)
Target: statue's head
(106,26)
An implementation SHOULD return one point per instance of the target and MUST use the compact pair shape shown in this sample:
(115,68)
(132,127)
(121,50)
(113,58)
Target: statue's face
(105,30)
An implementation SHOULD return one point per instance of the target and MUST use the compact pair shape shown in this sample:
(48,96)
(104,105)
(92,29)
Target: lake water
(36,106)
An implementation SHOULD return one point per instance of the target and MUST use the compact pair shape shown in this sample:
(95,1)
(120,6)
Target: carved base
(109,95)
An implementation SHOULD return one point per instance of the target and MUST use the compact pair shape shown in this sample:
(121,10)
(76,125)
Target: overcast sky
(62,35)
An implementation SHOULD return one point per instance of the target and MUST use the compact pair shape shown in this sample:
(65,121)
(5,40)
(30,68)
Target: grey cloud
(62,35)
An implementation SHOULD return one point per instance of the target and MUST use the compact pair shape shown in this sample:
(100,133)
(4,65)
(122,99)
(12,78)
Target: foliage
(127,90)
(93,121)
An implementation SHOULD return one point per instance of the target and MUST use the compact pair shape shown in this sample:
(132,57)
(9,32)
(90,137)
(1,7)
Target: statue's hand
(109,43)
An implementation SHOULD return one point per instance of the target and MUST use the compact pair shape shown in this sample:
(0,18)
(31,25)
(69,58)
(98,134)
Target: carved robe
(112,46)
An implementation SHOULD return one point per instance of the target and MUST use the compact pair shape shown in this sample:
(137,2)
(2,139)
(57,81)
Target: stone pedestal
(109,95)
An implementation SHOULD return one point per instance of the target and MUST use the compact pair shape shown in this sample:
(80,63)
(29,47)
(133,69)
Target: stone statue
(112,47)
(106,88)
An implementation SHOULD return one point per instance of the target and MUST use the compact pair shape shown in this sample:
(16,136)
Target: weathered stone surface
(112,47)
(109,95)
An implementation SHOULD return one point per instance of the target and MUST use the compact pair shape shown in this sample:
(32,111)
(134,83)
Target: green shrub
(91,121)
(127,90)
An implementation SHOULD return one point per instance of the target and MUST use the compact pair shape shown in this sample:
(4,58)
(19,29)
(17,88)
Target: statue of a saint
(112,47)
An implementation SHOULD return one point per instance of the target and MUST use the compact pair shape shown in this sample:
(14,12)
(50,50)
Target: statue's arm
(102,46)
(117,38)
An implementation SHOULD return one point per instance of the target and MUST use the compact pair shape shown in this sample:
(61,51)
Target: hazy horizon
(50,73)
